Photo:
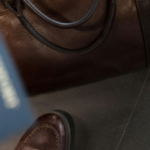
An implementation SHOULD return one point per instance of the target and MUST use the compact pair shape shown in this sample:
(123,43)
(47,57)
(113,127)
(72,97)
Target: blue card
(15,111)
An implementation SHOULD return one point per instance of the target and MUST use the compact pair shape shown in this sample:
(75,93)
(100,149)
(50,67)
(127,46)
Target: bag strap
(61,24)
(143,7)
(58,48)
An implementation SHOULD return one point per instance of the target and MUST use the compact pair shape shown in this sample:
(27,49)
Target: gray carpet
(110,115)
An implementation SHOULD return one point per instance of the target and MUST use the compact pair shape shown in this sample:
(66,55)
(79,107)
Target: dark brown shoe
(49,132)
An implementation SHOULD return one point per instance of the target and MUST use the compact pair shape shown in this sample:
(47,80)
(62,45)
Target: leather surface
(43,69)
(143,7)
(85,18)
(48,132)
(92,46)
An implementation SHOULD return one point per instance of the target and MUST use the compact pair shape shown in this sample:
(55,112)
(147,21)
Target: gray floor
(112,114)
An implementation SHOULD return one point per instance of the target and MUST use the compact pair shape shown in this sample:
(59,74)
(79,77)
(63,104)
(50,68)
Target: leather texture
(44,69)
(50,131)
(54,46)
(61,24)
(59,48)
(143,7)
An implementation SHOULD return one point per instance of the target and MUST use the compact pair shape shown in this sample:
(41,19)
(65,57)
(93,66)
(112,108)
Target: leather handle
(58,48)
(61,24)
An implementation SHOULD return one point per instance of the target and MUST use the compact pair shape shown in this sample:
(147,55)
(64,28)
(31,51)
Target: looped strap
(58,48)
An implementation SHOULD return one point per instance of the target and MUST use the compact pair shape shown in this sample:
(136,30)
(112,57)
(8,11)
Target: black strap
(61,24)
(55,47)
(143,7)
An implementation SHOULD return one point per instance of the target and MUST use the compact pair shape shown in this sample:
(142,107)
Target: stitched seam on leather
(66,129)
(39,128)
(7,11)
(143,27)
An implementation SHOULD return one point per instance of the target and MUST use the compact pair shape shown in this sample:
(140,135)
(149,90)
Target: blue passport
(15,111)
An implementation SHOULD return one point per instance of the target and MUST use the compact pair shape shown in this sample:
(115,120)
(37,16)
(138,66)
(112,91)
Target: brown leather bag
(109,39)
